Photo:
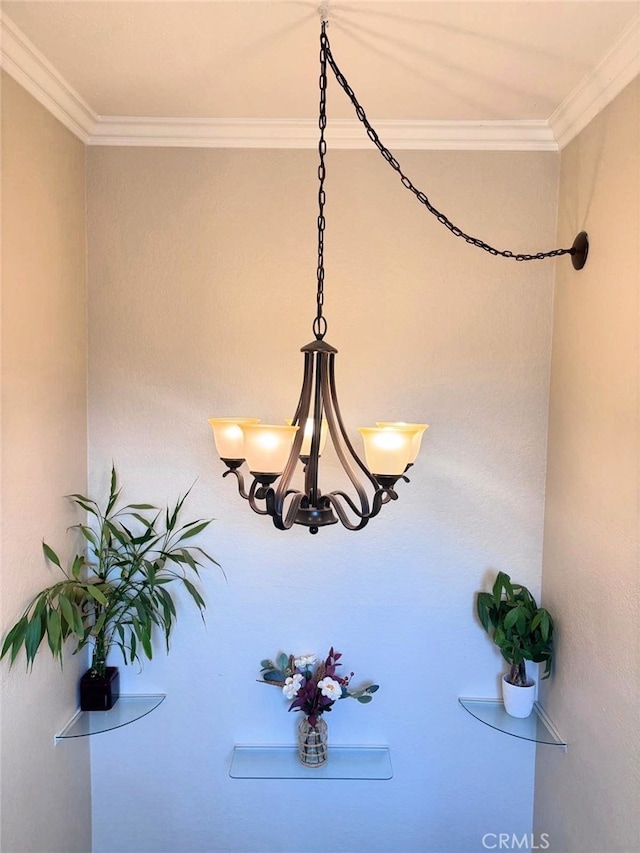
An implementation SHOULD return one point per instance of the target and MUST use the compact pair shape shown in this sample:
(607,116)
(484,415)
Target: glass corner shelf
(127,710)
(537,728)
(281,762)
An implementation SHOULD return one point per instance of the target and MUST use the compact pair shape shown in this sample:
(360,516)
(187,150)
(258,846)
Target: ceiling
(255,62)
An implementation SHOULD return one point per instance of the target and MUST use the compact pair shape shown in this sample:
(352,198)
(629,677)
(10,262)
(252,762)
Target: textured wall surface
(588,799)
(202,290)
(46,793)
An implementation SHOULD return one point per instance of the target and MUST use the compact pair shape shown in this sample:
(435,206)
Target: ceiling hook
(323,11)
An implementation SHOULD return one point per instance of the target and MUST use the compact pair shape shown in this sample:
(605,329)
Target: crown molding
(615,71)
(33,71)
(303,133)
(24,62)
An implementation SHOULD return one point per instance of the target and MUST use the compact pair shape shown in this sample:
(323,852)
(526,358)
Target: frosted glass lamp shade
(267,447)
(305,450)
(417,431)
(227,434)
(386,450)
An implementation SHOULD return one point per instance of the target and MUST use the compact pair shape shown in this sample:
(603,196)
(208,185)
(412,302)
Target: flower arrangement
(313,685)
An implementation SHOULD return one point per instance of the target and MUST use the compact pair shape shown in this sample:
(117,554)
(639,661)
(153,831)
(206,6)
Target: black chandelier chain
(325,52)
(320,324)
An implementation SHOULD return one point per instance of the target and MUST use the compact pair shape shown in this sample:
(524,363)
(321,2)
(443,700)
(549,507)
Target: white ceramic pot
(518,701)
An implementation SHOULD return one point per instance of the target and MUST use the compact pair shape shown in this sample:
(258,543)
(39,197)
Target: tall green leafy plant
(521,630)
(120,592)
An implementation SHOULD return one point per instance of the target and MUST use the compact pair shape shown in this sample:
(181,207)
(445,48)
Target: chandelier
(273,453)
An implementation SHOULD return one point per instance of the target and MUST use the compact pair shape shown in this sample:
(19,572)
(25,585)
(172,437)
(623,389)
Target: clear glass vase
(312,742)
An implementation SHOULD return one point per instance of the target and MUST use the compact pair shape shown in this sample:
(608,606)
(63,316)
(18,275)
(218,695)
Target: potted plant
(314,686)
(118,593)
(522,631)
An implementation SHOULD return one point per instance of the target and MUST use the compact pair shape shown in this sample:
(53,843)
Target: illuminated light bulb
(267,447)
(228,436)
(308,435)
(417,430)
(387,450)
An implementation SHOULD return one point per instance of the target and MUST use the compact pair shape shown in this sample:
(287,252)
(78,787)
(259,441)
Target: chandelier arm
(240,478)
(307,375)
(333,396)
(339,435)
(332,499)
(381,497)
(280,520)
(578,250)
(311,468)
(299,418)
(256,486)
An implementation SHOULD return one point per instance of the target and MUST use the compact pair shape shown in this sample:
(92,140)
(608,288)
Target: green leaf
(88,534)
(78,622)
(364,699)
(512,617)
(119,534)
(76,567)
(146,644)
(145,521)
(15,639)
(33,636)
(274,675)
(193,531)
(113,491)
(51,555)
(82,502)
(193,592)
(54,630)
(484,604)
(98,627)
(67,610)
(166,597)
(545,625)
(84,498)
(283,661)
(96,594)
(186,556)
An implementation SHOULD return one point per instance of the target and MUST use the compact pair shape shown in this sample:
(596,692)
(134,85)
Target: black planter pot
(99,693)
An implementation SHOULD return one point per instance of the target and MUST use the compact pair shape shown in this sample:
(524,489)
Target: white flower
(330,688)
(305,661)
(292,685)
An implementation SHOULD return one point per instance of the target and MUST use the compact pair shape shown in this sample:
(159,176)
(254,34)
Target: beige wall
(46,789)
(202,268)
(588,800)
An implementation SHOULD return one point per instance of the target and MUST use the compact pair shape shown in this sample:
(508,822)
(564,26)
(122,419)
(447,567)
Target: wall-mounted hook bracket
(580,250)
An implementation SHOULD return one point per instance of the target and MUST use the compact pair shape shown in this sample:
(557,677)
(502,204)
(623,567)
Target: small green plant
(521,630)
(118,593)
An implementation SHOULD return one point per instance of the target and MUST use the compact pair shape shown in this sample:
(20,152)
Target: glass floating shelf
(127,710)
(537,728)
(281,762)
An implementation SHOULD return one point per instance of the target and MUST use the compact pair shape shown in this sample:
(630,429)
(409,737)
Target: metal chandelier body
(273,453)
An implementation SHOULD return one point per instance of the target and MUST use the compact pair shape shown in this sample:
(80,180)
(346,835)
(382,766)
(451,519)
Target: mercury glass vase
(312,742)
